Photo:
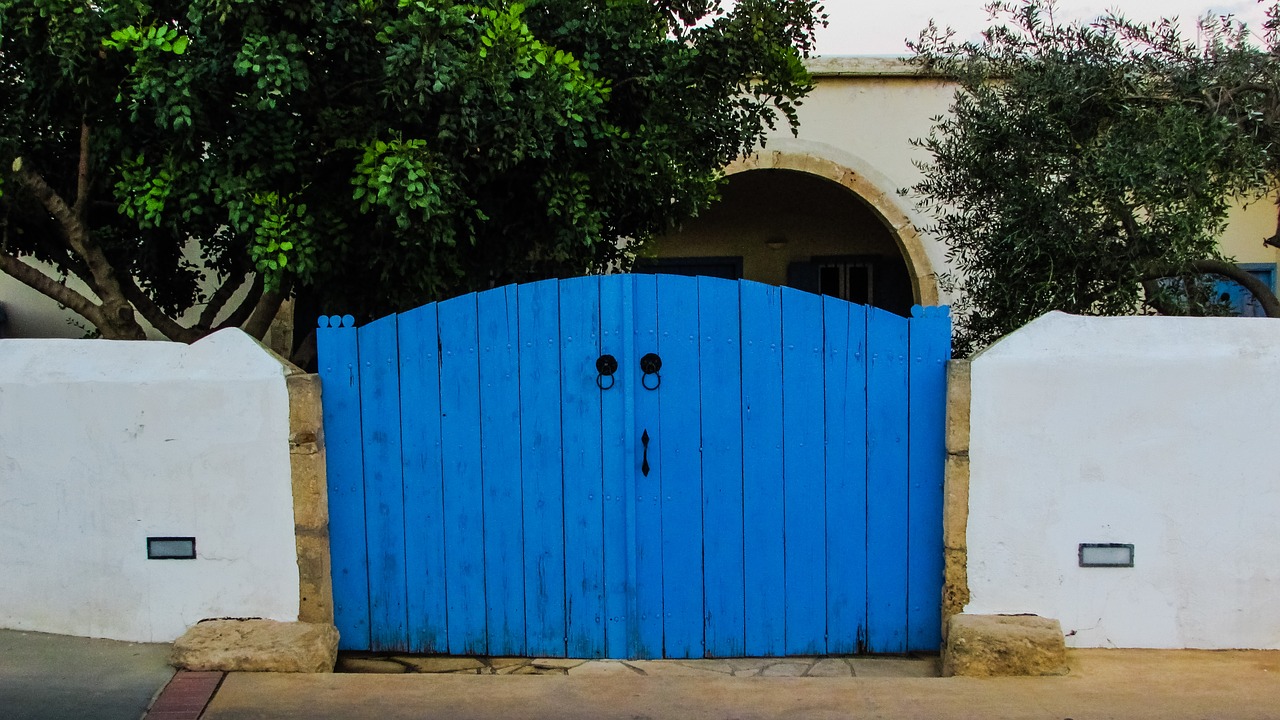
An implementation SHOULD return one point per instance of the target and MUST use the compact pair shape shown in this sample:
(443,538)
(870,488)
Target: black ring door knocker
(650,365)
(606,366)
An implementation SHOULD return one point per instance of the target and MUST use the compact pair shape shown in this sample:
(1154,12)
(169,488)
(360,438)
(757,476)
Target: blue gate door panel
(542,468)
(720,364)
(774,488)
(887,456)
(503,539)
(804,473)
(845,330)
(677,430)
(583,463)
(339,365)
(383,482)
(424,517)
(764,574)
(647,621)
(463,490)
(616,423)
(930,347)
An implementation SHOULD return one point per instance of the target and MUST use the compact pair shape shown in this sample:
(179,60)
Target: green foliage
(384,154)
(1080,161)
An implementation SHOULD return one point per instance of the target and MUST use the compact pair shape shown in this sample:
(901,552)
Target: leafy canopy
(376,154)
(1089,167)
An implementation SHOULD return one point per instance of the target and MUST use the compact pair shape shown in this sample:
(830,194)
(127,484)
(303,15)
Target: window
(1242,301)
(851,280)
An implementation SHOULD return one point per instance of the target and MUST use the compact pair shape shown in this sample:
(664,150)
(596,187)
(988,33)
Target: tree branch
(1260,291)
(1127,220)
(264,313)
(81,208)
(76,233)
(32,277)
(246,307)
(1263,294)
(1151,289)
(1274,240)
(219,300)
(72,227)
(157,317)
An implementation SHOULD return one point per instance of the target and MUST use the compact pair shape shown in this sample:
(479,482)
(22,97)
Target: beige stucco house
(822,211)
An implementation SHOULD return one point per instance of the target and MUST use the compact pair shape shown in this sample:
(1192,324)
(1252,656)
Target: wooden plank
(617,337)
(424,517)
(846,460)
(930,338)
(339,366)
(500,469)
(764,573)
(463,485)
(542,468)
(583,496)
(886,482)
(647,623)
(680,460)
(720,363)
(803,467)
(383,484)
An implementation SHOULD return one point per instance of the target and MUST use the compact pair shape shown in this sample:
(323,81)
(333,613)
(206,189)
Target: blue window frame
(1242,301)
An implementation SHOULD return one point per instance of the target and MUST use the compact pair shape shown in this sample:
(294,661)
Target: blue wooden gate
(774,488)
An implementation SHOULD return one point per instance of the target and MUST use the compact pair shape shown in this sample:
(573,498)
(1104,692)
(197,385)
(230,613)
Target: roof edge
(865,66)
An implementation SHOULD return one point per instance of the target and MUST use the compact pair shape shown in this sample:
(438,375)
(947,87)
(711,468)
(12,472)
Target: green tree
(1090,167)
(378,154)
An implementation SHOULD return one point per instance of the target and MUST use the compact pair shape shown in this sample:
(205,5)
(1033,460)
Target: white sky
(881,27)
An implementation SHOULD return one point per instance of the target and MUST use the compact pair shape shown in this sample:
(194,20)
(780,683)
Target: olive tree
(1090,167)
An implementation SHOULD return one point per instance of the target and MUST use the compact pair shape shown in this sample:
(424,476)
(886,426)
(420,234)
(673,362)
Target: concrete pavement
(55,677)
(1122,684)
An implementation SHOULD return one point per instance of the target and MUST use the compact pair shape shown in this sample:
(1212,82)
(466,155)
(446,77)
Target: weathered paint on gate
(774,489)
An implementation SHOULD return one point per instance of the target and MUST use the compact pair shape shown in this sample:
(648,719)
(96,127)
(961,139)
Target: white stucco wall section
(104,443)
(1158,432)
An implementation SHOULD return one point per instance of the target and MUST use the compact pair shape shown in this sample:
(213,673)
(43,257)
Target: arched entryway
(801,221)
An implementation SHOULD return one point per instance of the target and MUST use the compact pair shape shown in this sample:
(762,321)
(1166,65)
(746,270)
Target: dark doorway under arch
(786,227)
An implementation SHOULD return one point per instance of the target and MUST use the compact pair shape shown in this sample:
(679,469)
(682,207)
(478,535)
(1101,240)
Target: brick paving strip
(186,696)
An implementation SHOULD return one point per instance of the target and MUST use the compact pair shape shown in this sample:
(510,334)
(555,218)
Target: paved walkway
(43,677)
(1121,684)
(55,677)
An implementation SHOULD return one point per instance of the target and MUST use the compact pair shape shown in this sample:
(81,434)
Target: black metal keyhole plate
(606,365)
(650,364)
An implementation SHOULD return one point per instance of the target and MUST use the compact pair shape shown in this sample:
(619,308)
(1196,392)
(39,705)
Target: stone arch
(924,279)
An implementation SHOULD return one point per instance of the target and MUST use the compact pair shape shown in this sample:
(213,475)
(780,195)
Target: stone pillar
(310,499)
(955,515)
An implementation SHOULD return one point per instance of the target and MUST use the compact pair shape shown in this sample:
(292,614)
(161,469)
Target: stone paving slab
(440,664)
(603,668)
(1121,685)
(831,667)
(888,667)
(915,666)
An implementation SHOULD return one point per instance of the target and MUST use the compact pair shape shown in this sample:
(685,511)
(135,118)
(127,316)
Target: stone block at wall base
(256,646)
(1004,645)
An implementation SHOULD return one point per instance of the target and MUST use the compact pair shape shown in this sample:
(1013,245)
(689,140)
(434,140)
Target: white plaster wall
(104,443)
(1154,431)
